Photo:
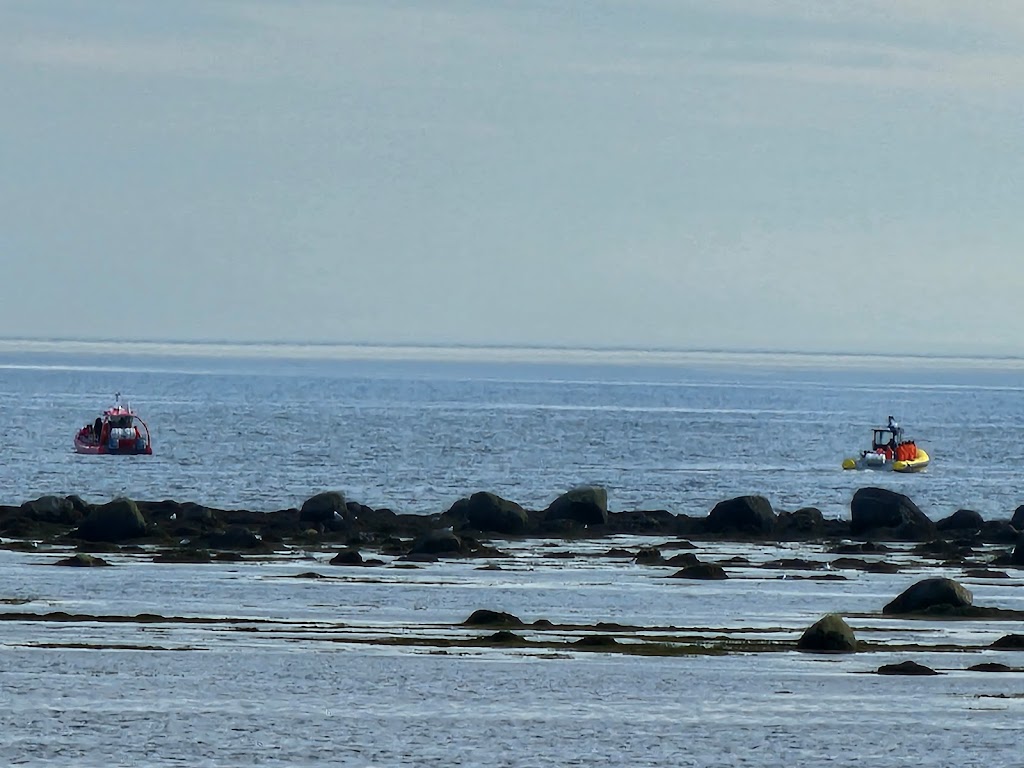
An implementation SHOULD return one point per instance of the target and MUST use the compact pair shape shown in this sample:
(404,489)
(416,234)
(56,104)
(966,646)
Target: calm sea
(264,427)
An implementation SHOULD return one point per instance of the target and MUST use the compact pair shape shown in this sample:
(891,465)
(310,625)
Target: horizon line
(509,347)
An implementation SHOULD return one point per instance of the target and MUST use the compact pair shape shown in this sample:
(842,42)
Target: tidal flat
(284,659)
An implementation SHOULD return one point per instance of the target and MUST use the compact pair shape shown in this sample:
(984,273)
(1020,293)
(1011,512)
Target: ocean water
(414,430)
(274,668)
(303,675)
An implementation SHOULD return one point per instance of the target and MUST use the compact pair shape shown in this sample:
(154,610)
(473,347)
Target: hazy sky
(738,174)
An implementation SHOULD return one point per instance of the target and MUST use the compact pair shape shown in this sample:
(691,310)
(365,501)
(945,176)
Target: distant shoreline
(505,354)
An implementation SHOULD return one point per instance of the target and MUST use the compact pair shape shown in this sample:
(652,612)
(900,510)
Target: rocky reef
(190,531)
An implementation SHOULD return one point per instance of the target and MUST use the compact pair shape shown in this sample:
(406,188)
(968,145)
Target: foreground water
(264,428)
(303,674)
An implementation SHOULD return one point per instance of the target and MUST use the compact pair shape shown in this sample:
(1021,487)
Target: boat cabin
(884,438)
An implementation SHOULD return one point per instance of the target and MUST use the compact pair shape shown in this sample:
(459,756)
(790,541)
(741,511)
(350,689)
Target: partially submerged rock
(490,512)
(1009,643)
(82,560)
(990,666)
(706,571)
(906,668)
(749,515)
(487,618)
(587,505)
(829,634)
(928,594)
(120,520)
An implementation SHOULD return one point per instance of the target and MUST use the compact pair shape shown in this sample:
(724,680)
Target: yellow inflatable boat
(890,452)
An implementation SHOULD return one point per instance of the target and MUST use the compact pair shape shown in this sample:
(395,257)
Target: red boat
(115,432)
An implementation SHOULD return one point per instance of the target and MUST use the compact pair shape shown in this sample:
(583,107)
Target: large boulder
(119,520)
(805,523)
(489,512)
(745,514)
(961,520)
(829,634)
(484,617)
(323,508)
(1017,521)
(442,542)
(879,509)
(701,571)
(53,509)
(587,505)
(930,593)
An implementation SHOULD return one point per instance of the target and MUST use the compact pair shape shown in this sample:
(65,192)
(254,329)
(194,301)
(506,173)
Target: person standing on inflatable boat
(894,427)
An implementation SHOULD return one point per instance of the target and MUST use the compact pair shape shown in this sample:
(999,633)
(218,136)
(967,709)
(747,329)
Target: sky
(652,174)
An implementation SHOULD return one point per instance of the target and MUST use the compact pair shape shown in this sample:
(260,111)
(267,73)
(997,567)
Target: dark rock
(99,547)
(347,557)
(52,509)
(415,557)
(486,618)
(683,560)
(437,543)
(1017,520)
(323,508)
(857,564)
(596,641)
(709,571)
(735,560)
(830,634)
(805,523)
(82,560)
(505,637)
(990,666)
(183,555)
(942,548)
(999,532)
(119,520)
(1009,643)
(961,520)
(752,515)
(863,548)
(906,668)
(80,505)
(619,552)
(488,512)
(930,593)
(881,510)
(794,564)
(234,538)
(986,573)
(649,556)
(587,505)
(679,544)
(1017,556)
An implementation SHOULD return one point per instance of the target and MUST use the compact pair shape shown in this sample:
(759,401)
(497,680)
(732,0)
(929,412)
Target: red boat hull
(121,448)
